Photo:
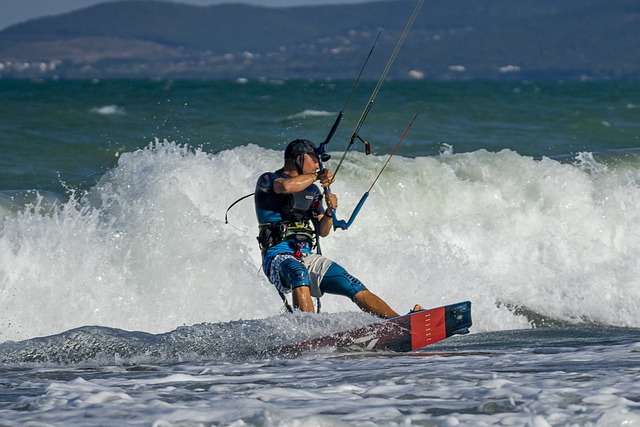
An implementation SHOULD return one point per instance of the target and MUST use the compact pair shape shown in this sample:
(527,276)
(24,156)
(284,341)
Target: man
(291,217)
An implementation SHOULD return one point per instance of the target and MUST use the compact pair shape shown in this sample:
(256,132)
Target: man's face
(310,163)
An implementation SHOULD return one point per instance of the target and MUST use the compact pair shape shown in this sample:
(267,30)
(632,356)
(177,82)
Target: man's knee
(338,281)
(294,274)
(361,296)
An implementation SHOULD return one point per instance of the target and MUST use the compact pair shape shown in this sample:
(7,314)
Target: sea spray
(462,224)
(147,248)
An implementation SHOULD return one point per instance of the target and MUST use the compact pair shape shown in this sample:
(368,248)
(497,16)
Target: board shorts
(320,274)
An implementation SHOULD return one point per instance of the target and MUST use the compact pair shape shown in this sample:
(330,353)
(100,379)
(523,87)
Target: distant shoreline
(541,40)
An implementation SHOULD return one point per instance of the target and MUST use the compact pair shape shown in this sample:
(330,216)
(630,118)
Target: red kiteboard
(410,332)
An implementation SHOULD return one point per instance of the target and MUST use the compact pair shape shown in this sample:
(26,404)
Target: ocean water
(125,298)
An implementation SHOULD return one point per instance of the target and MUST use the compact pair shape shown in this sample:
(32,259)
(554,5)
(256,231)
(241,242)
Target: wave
(239,340)
(43,202)
(108,110)
(310,113)
(148,249)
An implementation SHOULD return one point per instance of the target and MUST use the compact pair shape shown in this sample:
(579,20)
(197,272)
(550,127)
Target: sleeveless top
(285,220)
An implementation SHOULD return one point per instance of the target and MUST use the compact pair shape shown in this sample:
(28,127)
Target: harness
(298,233)
(295,231)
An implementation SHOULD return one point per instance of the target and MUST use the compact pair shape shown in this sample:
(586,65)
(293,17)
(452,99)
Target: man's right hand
(326,178)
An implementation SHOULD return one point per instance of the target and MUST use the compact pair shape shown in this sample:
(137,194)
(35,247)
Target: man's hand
(332,201)
(326,178)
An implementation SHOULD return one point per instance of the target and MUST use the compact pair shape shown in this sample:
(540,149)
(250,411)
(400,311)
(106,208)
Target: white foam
(577,387)
(310,113)
(108,110)
(147,248)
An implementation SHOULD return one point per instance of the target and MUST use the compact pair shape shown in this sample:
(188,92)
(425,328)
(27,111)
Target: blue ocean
(126,299)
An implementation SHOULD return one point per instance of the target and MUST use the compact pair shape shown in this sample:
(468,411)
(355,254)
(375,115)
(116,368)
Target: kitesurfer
(291,219)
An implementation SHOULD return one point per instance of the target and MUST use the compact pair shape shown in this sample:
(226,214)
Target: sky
(15,11)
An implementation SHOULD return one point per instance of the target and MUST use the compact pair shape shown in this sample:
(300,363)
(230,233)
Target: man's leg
(302,299)
(371,303)
(296,277)
(338,281)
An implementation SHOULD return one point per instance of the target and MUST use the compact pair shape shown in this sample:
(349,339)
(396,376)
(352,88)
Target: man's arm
(325,224)
(295,183)
(326,220)
(300,182)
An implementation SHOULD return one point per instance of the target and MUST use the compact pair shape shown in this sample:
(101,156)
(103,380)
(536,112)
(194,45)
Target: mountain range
(450,39)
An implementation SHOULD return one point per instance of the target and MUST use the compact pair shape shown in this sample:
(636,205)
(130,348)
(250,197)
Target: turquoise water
(72,131)
(530,188)
(126,299)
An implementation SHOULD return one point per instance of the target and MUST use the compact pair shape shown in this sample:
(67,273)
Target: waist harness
(297,232)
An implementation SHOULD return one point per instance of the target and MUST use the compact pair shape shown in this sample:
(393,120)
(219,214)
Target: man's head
(299,147)
(296,151)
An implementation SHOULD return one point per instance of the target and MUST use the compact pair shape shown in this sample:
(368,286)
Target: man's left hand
(332,201)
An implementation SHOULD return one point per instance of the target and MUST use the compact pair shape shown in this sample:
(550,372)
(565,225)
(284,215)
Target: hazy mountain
(451,39)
